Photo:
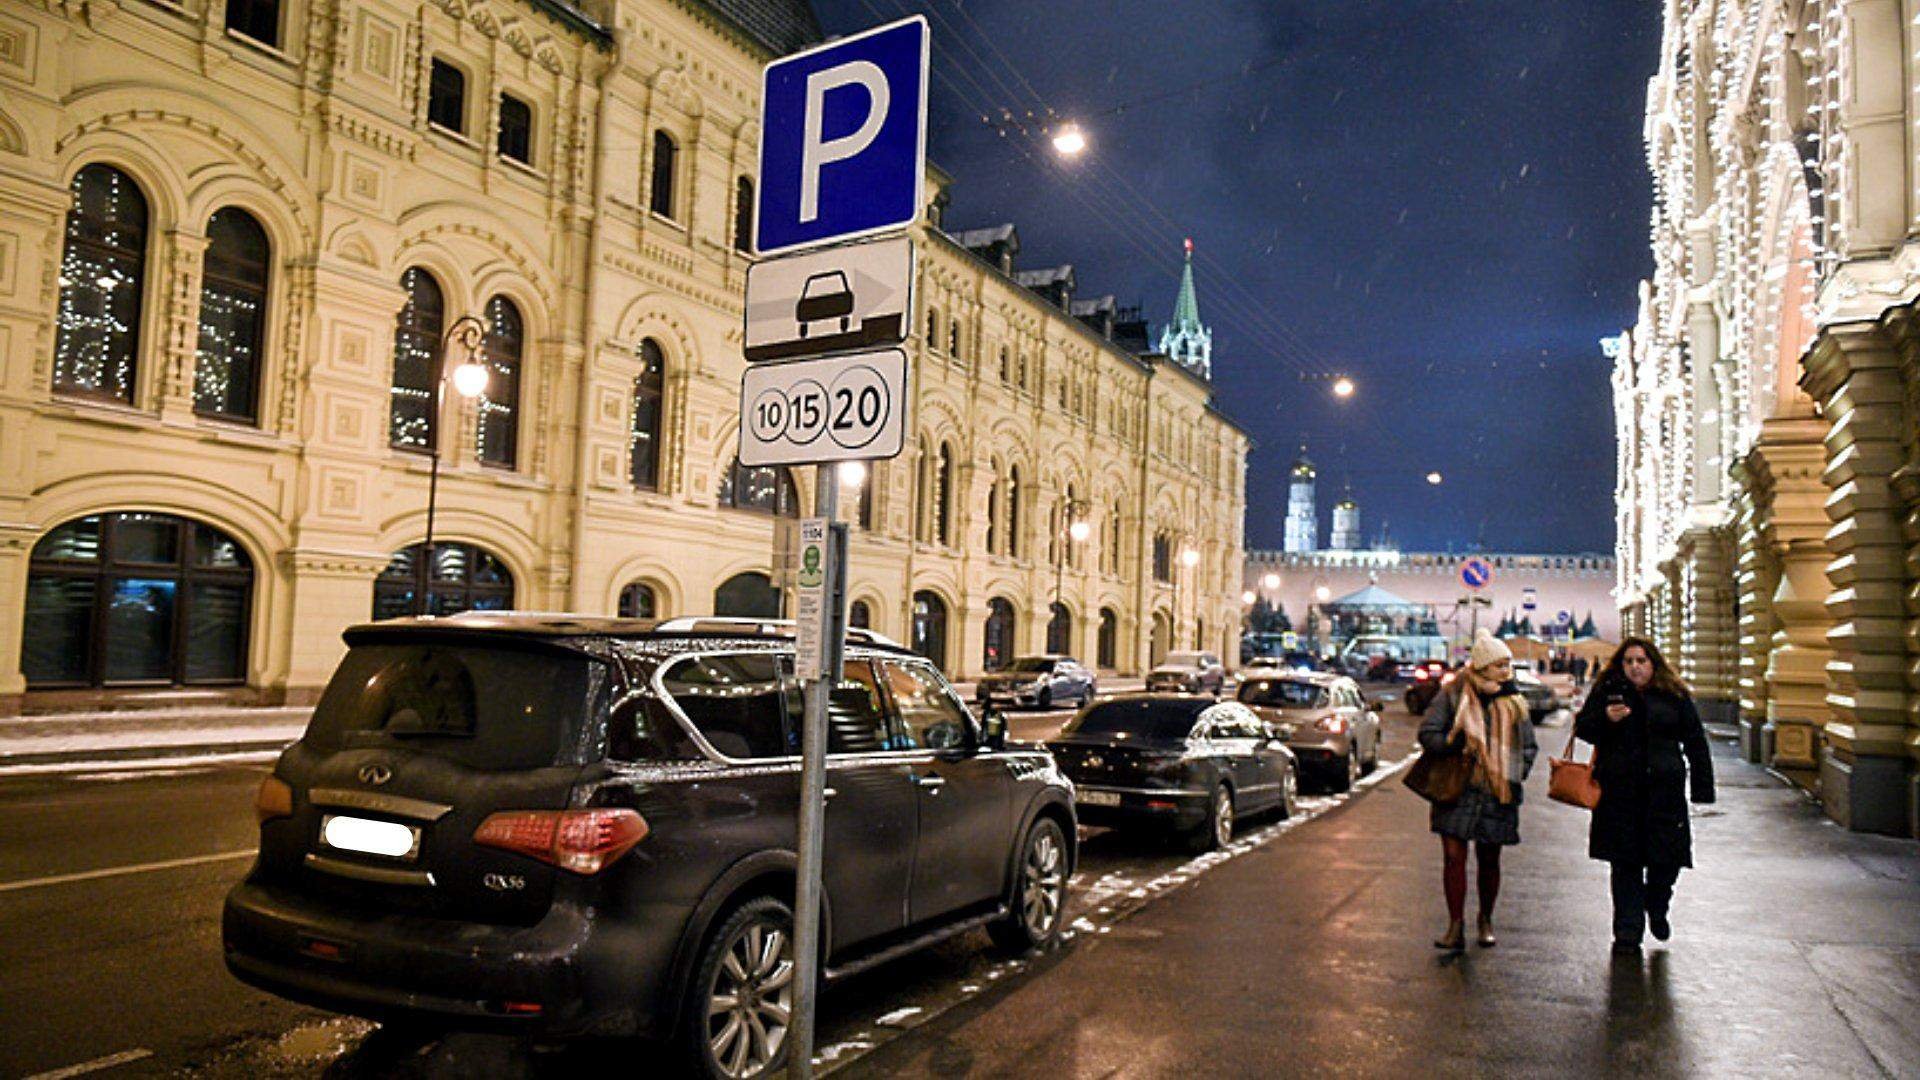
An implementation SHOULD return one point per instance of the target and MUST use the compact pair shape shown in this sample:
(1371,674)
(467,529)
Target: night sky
(1446,200)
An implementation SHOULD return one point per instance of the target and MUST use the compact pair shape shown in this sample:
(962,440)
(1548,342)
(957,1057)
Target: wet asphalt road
(110,892)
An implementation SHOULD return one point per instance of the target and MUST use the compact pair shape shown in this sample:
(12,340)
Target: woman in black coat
(1648,744)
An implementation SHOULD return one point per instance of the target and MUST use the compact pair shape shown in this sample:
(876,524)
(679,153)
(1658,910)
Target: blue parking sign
(843,139)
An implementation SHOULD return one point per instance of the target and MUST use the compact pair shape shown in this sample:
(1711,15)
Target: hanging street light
(1343,387)
(1069,141)
(469,378)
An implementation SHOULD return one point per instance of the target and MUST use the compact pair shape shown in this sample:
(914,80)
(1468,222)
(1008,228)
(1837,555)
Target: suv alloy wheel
(1217,831)
(1040,891)
(743,991)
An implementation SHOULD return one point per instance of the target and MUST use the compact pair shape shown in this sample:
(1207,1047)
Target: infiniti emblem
(375,774)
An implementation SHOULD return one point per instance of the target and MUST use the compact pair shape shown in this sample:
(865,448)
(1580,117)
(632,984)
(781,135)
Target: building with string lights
(1768,394)
(237,236)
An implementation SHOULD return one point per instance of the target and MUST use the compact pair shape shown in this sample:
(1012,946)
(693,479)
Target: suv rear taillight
(583,841)
(1332,724)
(274,799)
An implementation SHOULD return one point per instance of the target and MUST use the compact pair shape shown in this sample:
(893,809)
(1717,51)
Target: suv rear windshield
(486,707)
(1283,694)
(1150,721)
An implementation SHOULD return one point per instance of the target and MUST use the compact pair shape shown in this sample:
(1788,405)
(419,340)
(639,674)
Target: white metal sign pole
(822,570)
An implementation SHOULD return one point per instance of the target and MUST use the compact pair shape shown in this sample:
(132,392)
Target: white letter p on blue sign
(843,139)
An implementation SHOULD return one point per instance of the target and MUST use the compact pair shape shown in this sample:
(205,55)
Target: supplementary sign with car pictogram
(836,408)
(1476,573)
(854,296)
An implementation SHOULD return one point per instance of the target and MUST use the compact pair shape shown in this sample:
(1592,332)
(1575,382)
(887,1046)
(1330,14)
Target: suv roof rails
(731,624)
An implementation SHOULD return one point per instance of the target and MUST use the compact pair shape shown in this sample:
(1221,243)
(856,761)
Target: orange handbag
(1571,781)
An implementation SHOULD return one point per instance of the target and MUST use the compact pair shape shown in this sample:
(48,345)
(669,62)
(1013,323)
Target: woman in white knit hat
(1479,714)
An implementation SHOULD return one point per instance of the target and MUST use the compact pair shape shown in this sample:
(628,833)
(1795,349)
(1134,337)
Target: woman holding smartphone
(1648,744)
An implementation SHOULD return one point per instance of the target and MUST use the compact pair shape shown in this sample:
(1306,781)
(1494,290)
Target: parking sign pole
(807,946)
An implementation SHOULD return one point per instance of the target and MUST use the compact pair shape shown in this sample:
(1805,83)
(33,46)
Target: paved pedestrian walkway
(1796,952)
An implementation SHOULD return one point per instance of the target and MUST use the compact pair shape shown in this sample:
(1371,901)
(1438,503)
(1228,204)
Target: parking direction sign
(843,139)
(836,408)
(849,296)
(1476,573)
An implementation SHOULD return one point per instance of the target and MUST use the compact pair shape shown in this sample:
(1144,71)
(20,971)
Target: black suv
(565,825)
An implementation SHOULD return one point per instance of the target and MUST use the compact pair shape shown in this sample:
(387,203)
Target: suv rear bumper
(586,975)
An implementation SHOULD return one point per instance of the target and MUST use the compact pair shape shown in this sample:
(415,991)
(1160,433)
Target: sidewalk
(47,743)
(1796,952)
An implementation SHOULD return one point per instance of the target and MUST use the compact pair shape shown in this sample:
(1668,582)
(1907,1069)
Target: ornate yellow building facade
(1768,397)
(235,235)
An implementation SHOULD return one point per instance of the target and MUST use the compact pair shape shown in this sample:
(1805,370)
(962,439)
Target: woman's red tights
(1454,876)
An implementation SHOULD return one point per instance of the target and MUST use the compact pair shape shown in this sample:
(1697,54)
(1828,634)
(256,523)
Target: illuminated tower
(1346,526)
(1303,528)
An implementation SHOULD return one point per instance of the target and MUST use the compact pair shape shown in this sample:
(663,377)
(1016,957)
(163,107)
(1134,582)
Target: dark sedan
(1175,762)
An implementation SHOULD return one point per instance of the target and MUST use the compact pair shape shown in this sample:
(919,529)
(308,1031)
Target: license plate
(369,837)
(1099,798)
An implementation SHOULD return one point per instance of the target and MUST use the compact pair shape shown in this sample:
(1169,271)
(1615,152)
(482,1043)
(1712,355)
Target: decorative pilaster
(1756,578)
(1854,372)
(1789,455)
(1708,655)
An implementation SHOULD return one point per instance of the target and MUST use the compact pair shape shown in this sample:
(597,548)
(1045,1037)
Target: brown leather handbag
(1439,778)
(1572,781)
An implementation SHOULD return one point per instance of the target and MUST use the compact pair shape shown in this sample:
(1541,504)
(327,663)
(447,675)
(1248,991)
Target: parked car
(1188,673)
(563,825)
(1039,681)
(1328,724)
(1542,702)
(1180,763)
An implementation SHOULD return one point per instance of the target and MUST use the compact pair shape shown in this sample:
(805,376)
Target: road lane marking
(117,871)
(122,1058)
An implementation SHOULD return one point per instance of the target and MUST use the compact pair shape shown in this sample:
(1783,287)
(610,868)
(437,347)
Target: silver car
(1330,727)
(1188,673)
(1038,681)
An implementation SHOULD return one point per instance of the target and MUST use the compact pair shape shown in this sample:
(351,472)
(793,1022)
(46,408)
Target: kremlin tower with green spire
(1185,341)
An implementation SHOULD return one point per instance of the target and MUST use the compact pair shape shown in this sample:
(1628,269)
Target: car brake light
(1420,675)
(274,799)
(582,841)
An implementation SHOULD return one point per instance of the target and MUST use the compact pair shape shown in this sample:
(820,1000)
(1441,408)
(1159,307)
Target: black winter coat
(1643,765)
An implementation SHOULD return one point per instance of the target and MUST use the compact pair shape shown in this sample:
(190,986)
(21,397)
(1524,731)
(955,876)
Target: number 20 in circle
(858,405)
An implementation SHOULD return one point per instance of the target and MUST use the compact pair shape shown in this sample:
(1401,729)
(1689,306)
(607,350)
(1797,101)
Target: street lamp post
(1075,531)
(470,381)
(1189,558)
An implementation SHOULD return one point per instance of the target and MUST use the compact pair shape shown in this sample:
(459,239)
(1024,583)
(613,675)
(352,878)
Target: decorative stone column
(1708,657)
(1789,456)
(1757,578)
(1854,372)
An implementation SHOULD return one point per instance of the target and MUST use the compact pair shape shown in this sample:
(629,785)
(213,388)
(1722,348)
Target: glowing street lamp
(852,474)
(469,378)
(1270,582)
(1248,598)
(1434,478)
(1069,141)
(1189,558)
(1343,387)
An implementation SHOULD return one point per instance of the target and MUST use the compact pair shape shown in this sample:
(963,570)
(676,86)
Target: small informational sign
(1529,600)
(1476,574)
(843,143)
(810,595)
(855,296)
(837,408)
(1564,617)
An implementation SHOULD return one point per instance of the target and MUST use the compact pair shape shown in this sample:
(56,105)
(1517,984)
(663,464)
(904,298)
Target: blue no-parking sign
(1476,573)
(843,139)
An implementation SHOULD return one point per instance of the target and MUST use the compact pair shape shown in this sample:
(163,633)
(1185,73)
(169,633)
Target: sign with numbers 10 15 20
(838,408)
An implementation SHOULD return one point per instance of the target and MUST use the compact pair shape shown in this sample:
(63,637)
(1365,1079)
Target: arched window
(767,489)
(638,601)
(515,140)
(750,595)
(497,433)
(1006,366)
(660,198)
(1107,650)
(416,362)
(136,598)
(465,578)
(993,512)
(447,96)
(1162,558)
(953,338)
(233,317)
(930,628)
(743,215)
(859,615)
(998,640)
(1113,539)
(933,329)
(97,352)
(943,496)
(1059,629)
(643,427)
(1013,511)
(1199,633)
(257,19)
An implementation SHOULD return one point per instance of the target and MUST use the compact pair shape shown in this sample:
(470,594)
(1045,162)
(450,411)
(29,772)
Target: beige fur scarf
(1489,744)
